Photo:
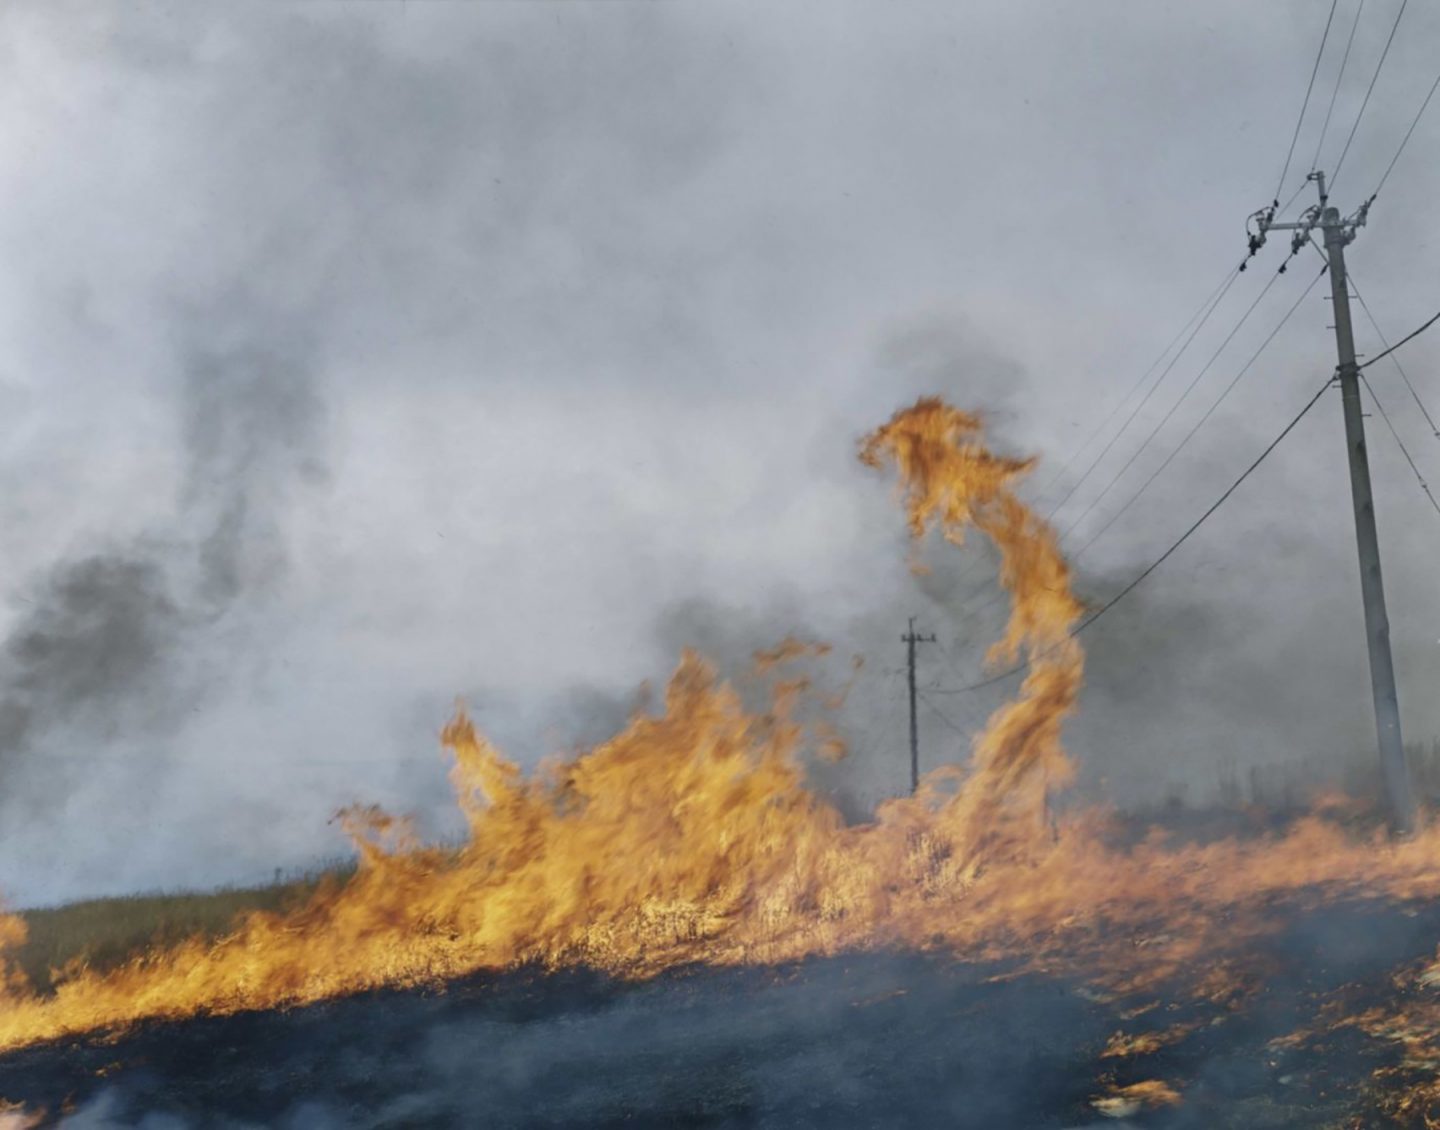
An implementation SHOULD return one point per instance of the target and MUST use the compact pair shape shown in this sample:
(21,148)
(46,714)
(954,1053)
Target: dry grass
(103,933)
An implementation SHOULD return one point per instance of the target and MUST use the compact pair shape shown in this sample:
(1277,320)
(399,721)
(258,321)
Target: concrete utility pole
(911,639)
(1338,232)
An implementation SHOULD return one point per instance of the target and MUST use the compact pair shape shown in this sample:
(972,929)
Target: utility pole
(911,639)
(1338,232)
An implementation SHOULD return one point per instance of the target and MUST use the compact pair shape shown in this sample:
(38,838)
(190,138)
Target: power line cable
(1405,140)
(1412,334)
(948,654)
(1350,281)
(1339,78)
(1394,360)
(1115,411)
(988,590)
(1286,206)
(1208,413)
(941,714)
(1207,308)
(1368,91)
(1401,444)
(999,595)
(976,721)
(1174,407)
(1114,600)
(965,608)
(1305,105)
(1224,289)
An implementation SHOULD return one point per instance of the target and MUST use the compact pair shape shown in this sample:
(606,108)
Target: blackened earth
(873,1040)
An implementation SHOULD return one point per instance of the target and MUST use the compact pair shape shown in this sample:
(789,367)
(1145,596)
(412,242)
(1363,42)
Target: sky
(356,358)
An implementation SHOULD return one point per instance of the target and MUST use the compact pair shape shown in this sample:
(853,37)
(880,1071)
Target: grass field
(102,933)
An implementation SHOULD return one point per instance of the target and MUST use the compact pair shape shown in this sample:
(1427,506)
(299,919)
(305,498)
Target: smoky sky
(359,357)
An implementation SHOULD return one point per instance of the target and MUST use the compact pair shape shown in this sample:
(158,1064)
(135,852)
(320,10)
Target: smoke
(89,653)
(372,356)
(1216,679)
(380,212)
(118,643)
(253,420)
(1245,651)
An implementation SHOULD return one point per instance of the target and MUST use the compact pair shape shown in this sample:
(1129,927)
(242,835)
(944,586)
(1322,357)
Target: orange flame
(691,836)
(15,1117)
(1124,1102)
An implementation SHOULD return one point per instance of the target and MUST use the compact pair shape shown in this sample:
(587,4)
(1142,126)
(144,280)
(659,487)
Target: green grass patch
(105,933)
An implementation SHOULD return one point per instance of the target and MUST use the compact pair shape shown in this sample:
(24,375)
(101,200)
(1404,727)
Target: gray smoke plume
(97,638)
(575,312)
(252,431)
(117,642)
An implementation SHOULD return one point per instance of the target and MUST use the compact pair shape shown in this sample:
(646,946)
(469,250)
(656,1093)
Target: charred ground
(866,1039)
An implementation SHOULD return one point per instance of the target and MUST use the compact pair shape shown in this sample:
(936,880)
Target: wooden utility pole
(1339,232)
(911,639)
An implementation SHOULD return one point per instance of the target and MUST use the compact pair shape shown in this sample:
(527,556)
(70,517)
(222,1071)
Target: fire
(692,836)
(14,1117)
(952,482)
(13,933)
(1125,1102)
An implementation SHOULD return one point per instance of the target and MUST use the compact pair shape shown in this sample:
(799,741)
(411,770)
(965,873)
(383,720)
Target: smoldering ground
(860,1040)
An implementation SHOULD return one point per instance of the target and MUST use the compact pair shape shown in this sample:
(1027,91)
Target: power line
(993,597)
(1166,419)
(962,607)
(1209,308)
(1286,206)
(1401,444)
(1208,413)
(1001,594)
(1305,105)
(1395,360)
(1214,506)
(925,698)
(1368,91)
(974,719)
(1412,334)
(996,597)
(949,656)
(1115,411)
(1114,600)
(1295,195)
(1405,140)
(1339,78)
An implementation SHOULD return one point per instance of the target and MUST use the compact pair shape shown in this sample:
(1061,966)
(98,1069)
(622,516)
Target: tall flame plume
(691,836)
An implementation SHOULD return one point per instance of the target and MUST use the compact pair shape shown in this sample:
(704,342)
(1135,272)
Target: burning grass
(104,934)
(691,837)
